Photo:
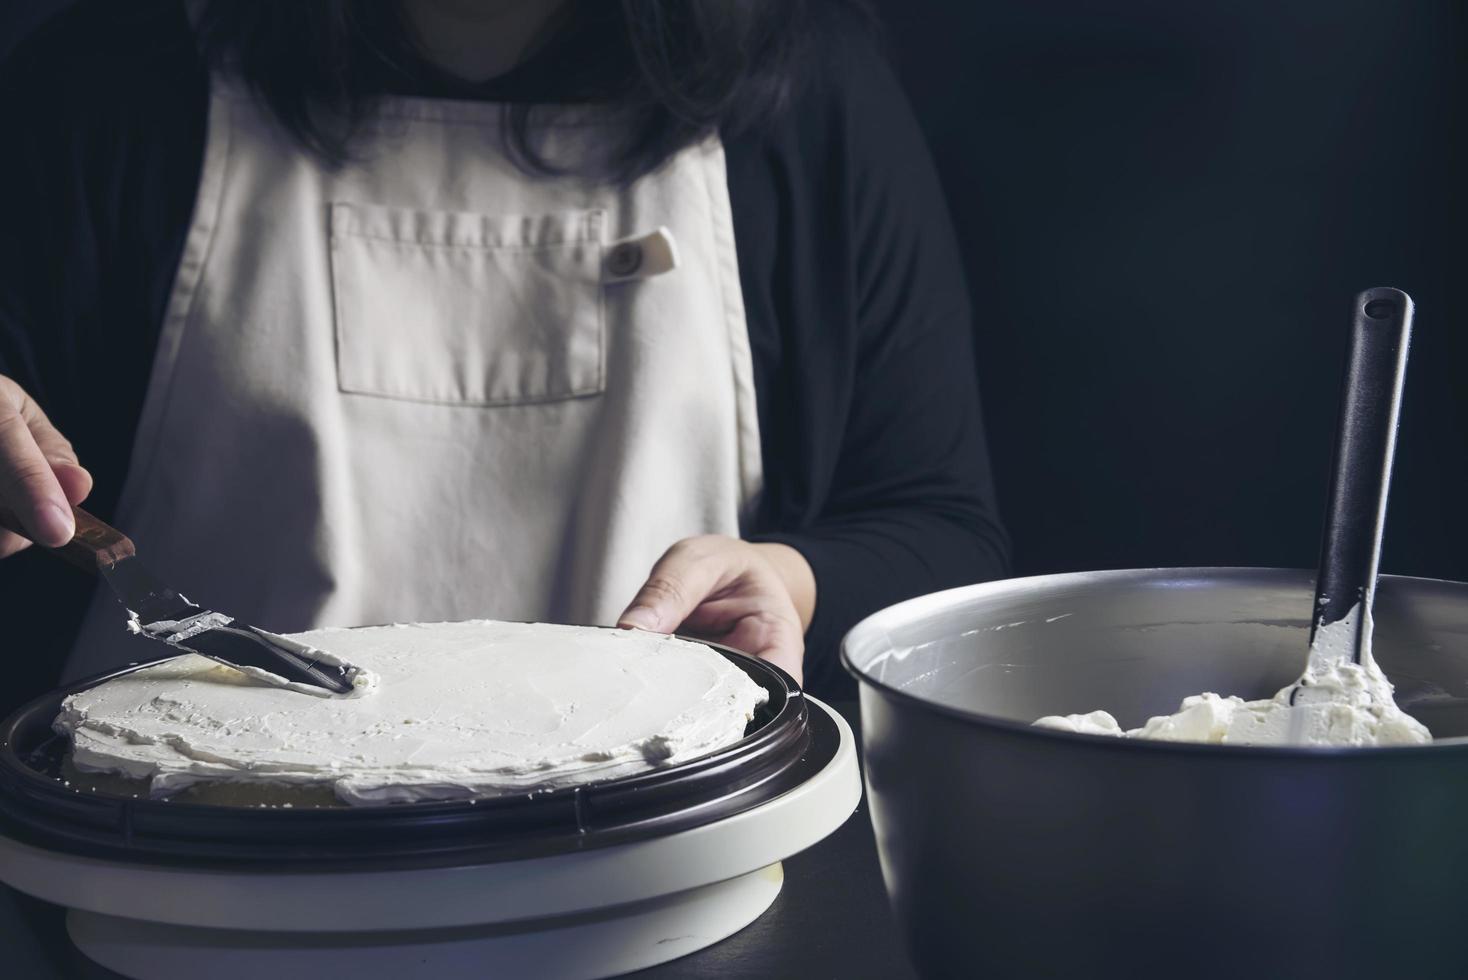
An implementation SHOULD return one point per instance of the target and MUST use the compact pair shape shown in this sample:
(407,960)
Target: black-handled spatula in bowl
(161,613)
(1340,625)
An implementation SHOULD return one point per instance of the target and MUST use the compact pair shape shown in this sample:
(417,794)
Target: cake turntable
(576,882)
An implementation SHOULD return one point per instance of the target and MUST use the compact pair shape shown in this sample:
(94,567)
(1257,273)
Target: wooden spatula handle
(96,544)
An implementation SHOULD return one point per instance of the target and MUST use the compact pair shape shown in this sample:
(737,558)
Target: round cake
(441,711)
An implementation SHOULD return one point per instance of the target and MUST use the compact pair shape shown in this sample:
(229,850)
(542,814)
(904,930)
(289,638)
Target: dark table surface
(830,920)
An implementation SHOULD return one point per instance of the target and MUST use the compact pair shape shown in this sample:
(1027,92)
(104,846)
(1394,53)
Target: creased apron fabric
(427,386)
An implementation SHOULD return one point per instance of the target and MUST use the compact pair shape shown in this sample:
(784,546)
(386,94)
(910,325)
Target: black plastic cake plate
(786,743)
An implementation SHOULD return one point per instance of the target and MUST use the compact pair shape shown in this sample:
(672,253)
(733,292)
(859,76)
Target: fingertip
(75,480)
(53,525)
(639,617)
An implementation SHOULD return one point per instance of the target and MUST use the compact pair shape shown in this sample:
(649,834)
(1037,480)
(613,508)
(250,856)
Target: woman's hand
(758,598)
(39,476)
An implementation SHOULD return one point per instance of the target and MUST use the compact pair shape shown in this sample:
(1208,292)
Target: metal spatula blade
(162,613)
(239,646)
(142,594)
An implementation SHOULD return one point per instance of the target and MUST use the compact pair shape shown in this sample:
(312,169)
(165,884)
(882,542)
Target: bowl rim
(880,623)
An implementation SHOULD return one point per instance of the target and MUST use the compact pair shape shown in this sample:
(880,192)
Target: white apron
(425,387)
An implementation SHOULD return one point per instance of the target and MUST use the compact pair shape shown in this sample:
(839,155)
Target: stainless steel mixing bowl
(1012,851)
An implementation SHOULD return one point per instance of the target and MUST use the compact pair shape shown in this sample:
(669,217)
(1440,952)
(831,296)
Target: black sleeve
(103,110)
(875,405)
(106,105)
(30,184)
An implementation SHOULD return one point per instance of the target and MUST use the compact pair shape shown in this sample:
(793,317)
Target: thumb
(680,580)
(29,487)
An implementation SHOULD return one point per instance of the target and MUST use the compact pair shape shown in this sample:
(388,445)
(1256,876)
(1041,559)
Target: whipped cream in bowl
(1336,702)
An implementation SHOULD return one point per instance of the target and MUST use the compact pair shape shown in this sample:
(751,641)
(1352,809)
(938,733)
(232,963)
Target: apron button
(625,259)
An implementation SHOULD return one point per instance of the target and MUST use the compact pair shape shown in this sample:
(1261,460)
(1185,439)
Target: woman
(358,311)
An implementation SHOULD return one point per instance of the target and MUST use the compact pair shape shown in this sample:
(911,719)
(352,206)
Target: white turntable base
(593,945)
(576,916)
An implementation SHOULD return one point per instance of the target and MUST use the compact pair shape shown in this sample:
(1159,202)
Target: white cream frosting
(447,711)
(1336,702)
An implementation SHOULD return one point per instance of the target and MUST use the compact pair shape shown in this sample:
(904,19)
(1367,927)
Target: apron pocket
(467,309)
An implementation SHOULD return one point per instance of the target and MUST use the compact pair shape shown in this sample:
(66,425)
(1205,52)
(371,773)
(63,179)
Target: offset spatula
(158,612)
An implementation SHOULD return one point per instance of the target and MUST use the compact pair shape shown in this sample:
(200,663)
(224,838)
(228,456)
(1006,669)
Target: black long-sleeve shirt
(874,457)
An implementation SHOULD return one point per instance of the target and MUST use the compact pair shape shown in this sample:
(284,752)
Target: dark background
(1166,208)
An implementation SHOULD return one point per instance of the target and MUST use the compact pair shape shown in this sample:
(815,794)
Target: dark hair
(675,70)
